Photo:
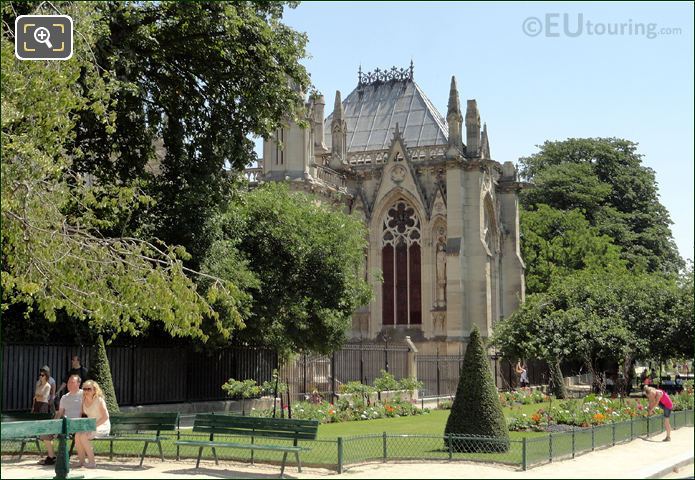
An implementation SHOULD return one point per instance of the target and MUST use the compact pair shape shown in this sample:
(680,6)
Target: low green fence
(564,445)
(340,452)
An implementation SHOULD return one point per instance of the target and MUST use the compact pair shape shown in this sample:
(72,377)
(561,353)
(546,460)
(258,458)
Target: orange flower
(599,417)
(536,417)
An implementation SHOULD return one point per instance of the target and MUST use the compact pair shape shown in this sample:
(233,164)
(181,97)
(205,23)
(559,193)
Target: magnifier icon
(42,35)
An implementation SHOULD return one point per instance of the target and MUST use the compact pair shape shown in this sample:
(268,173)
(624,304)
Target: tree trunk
(597,382)
(557,382)
(625,384)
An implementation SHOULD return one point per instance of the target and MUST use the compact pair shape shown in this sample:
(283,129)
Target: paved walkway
(641,458)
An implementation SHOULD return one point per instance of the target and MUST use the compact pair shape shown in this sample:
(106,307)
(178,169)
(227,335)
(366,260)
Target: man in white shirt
(71,407)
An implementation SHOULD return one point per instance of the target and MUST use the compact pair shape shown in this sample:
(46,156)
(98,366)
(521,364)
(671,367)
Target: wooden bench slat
(251,433)
(250,446)
(156,415)
(256,421)
(130,427)
(82,425)
(30,428)
(112,438)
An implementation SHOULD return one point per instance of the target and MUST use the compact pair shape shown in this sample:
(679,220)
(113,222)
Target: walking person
(52,383)
(93,406)
(659,397)
(42,394)
(523,374)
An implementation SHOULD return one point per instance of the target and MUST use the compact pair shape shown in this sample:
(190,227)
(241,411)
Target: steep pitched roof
(372,112)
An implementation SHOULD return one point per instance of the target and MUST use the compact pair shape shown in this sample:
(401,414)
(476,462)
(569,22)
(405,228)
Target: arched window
(400,262)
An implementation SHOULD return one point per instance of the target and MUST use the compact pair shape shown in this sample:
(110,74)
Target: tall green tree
(55,262)
(600,317)
(556,243)
(192,82)
(306,259)
(605,178)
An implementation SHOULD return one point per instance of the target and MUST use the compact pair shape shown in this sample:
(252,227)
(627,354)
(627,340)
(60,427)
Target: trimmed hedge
(476,410)
(101,373)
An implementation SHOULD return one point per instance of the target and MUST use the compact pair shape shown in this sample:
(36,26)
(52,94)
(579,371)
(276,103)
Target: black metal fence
(141,375)
(145,375)
(166,374)
(439,374)
(354,362)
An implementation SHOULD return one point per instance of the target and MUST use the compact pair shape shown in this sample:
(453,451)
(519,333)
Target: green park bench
(267,428)
(62,427)
(24,416)
(140,427)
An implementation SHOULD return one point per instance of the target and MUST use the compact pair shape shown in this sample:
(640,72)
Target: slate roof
(372,111)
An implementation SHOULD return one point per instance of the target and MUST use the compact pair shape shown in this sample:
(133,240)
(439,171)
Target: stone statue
(441,274)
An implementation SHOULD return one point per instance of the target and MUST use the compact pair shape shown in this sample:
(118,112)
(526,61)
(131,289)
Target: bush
(238,389)
(101,373)
(268,387)
(241,389)
(386,382)
(476,409)
(409,384)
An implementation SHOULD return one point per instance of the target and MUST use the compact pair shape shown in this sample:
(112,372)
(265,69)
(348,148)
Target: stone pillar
(412,362)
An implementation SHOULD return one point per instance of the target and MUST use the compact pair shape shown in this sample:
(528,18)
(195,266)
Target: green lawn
(432,423)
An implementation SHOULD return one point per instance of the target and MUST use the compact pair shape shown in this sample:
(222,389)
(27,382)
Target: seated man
(71,407)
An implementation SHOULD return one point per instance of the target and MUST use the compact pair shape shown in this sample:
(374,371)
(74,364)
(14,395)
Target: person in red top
(661,398)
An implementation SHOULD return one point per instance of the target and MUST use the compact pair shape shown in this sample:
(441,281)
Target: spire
(484,143)
(454,103)
(472,129)
(338,134)
(338,111)
(455,120)
(318,103)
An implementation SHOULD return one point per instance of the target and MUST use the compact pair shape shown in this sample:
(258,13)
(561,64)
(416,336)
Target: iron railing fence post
(524,460)
(340,455)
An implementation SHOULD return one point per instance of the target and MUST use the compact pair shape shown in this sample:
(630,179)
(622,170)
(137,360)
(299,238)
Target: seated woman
(93,406)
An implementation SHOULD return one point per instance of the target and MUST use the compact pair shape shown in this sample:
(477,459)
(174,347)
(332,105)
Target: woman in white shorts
(93,406)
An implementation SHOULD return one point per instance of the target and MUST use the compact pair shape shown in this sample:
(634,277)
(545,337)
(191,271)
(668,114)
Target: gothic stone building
(442,215)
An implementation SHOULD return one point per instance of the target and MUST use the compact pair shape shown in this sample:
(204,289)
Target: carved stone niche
(439,323)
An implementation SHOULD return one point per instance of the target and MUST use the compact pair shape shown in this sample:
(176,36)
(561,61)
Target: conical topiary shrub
(476,410)
(101,373)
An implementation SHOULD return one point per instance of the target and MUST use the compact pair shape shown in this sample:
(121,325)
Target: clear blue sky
(532,89)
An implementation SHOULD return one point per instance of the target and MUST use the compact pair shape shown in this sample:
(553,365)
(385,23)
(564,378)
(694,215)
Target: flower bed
(592,410)
(345,411)
(523,396)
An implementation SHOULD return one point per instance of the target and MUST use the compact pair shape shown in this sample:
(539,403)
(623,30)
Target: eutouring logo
(574,25)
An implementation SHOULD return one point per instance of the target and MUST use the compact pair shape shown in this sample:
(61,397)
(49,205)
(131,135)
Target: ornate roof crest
(378,76)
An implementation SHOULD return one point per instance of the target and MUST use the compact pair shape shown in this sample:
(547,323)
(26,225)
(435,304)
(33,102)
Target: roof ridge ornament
(378,76)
